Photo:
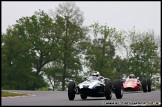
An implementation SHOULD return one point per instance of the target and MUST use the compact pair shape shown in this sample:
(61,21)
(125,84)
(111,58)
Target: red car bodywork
(131,85)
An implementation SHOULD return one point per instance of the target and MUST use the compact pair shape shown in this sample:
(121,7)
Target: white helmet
(95,73)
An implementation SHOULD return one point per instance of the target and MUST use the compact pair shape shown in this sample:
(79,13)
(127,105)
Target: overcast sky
(144,16)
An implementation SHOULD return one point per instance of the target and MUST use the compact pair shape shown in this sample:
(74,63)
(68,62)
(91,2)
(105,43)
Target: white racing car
(95,86)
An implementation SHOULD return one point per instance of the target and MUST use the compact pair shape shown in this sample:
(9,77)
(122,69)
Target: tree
(145,60)
(101,51)
(70,33)
(30,42)
(16,66)
(120,66)
(53,74)
(39,31)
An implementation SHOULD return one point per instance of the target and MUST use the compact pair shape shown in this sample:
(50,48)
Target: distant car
(95,87)
(134,84)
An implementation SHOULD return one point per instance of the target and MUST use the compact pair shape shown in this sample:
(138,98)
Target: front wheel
(118,89)
(71,90)
(149,85)
(144,85)
(108,93)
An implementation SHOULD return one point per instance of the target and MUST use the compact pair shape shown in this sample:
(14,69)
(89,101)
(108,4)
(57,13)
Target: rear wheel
(83,96)
(118,89)
(108,93)
(144,85)
(149,85)
(71,90)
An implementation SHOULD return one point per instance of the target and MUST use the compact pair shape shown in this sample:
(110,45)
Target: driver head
(131,76)
(96,74)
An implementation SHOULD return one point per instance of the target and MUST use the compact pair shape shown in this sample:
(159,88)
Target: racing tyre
(118,89)
(149,85)
(108,93)
(83,96)
(71,90)
(144,85)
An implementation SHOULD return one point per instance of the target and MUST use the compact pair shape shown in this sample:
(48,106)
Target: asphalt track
(60,98)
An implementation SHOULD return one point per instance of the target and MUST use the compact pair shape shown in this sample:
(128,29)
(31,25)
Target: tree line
(51,49)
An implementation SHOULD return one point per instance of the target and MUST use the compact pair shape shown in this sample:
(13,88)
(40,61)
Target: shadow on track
(130,92)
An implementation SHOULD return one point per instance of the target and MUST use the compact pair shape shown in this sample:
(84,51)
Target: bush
(43,89)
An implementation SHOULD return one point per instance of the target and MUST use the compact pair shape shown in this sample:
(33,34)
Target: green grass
(10,94)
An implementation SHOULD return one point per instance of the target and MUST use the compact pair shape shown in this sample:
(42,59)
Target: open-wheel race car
(95,86)
(134,84)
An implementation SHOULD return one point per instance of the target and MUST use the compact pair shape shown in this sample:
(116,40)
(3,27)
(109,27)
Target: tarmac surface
(60,98)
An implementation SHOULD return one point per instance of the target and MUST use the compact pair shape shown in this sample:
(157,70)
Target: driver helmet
(96,74)
(131,76)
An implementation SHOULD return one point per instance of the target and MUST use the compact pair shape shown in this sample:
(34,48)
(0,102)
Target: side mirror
(85,78)
(123,78)
(101,77)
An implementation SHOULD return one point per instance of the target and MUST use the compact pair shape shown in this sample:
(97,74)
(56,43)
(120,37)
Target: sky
(144,16)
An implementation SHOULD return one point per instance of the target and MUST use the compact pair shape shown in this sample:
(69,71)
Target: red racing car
(133,84)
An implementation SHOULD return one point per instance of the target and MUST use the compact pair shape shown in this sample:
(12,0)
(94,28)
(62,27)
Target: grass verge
(11,94)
